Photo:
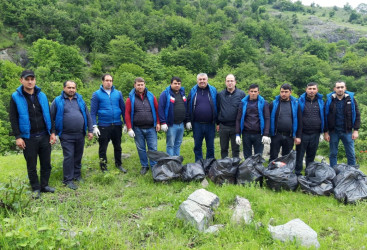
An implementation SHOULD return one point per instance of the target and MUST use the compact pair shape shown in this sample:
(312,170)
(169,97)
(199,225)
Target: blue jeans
(145,136)
(201,131)
(348,145)
(174,139)
(249,141)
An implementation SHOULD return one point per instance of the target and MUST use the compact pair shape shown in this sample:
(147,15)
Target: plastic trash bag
(206,163)
(167,167)
(339,168)
(247,170)
(279,173)
(192,171)
(224,170)
(350,186)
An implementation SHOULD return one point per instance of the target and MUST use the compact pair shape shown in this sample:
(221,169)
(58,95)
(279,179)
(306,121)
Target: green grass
(124,211)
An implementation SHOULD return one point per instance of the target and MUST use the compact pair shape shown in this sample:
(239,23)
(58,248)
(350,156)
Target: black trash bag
(192,171)
(248,170)
(167,167)
(340,168)
(279,173)
(350,186)
(323,189)
(206,164)
(224,170)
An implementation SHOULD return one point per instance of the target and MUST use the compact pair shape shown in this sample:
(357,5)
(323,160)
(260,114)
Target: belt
(289,134)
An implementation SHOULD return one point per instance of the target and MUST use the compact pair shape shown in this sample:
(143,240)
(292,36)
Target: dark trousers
(72,148)
(201,131)
(113,133)
(309,145)
(280,141)
(249,141)
(38,146)
(227,134)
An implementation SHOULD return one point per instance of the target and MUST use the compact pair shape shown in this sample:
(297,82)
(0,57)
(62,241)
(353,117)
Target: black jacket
(227,106)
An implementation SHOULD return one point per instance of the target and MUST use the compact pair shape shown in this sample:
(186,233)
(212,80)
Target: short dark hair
(286,86)
(253,86)
(103,77)
(340,81)
(69,81)
(312,84)
(139,79)
(175,78)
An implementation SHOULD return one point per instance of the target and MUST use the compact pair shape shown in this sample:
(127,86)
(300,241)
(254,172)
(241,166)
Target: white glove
(266,140)
(96,131)
(188,126)
(131,133)
(321,138)
(124,129)
(238,140)
(164,128)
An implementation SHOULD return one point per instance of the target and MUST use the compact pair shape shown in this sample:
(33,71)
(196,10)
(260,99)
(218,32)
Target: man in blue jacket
(342,121)
(108,105)
(31,124)
(172,111)
(285,122)
(203,115)
(72,121)
(312,107)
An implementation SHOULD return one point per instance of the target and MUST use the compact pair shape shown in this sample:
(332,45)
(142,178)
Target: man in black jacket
(342,121)
(31,124)
(228,101)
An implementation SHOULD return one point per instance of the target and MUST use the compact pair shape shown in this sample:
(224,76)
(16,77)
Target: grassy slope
(130,211)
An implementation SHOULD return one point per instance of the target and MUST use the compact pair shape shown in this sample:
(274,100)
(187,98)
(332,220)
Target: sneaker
(36,194)
(121,169)
(144,170)
(47,189)
(71,185)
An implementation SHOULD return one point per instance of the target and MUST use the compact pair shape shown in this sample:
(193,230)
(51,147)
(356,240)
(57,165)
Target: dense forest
(266,42)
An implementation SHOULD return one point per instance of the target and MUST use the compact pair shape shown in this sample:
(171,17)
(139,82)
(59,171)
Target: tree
(123,50)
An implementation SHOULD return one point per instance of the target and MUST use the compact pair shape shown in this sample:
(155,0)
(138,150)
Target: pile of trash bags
(347,183)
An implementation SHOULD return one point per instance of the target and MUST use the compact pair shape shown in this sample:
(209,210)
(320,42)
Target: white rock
(242,211)
(205,198)
(191,212)
(205,183)
(295,230)
(214,228)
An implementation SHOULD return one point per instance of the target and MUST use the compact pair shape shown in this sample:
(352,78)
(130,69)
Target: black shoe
(47,189)
(71,185)
(79,179)
(36,194)
(121,169)
(143,171)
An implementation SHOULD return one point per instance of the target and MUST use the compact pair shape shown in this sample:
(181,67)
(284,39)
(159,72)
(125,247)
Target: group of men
(282,123)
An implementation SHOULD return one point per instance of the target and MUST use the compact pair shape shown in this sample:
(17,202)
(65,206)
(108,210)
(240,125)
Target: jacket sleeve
(127,113)
(161,107)
(89,120)
(238,120)
(326,125)
(218,108)
(122,107)
(299,122)
(357,123)
(266,113)
(156,109)
(53,115)
(188,111)
(13,117)
(94,105)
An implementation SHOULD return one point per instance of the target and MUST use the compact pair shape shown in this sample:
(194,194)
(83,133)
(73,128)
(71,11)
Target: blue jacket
(166,105)
(213,94)
(60,102)
(302,101)
(260,105)
(294,105)
(150,97)
(108,108)
(22,107)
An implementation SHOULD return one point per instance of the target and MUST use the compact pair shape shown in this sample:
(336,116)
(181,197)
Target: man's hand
(327,136)
(164,128)
(266,140)
(52,139)
(217,128)
(131,133)
(238,140)
(355,135)
(158,127)
(90,136)
(297,141)
(20,143)
(188,126)
(96,131)
(124,129)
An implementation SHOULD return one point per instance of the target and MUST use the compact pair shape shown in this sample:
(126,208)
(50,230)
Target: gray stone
(242,211)
(295,230)
(205,183)
(195,214)
(204,198)
(214,228)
